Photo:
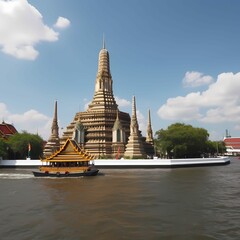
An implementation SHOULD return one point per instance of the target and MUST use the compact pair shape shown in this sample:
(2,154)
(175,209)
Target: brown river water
(185,203)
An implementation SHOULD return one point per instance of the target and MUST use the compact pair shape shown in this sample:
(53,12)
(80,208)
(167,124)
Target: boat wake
(15,176)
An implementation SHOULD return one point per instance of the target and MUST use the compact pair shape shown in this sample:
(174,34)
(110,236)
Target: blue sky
(181,59)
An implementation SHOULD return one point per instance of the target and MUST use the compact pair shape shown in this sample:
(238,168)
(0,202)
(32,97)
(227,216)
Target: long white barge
(136,163)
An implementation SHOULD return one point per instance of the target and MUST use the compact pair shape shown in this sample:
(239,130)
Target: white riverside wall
(127,162)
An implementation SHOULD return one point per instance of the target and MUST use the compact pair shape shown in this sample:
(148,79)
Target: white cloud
(21,28)
(196,79)
(3,111)
(237,127)
(62,22)
(86,103)
(140,117)
(141,122)
(219,103)
(215,135)
(31,121)
(181,108)
(121,102)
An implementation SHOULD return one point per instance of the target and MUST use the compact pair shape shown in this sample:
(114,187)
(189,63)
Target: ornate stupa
(53,143)
(135,147)
(149,143)
(149,136)
(99,119)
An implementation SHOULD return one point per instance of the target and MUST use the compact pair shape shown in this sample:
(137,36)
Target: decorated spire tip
(104,45)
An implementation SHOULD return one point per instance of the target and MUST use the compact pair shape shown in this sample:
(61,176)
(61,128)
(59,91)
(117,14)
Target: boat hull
(92,172)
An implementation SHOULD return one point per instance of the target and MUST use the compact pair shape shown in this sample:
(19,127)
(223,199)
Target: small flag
(29,150)
(118,153)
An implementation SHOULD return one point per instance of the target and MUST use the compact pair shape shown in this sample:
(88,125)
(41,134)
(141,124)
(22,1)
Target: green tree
(182,141)
(19,143)
(217,147)
(4,149)
(221,148)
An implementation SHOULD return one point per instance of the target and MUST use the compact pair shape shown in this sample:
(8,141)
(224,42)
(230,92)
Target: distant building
(6,130)
(232,145)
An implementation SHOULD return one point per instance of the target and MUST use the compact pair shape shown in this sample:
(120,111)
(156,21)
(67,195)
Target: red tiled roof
(7,129)
(233,142)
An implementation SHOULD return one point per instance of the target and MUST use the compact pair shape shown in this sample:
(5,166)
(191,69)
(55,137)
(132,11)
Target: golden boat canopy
(69,152)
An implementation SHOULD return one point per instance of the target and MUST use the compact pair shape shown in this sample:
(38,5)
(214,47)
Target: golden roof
(69,152)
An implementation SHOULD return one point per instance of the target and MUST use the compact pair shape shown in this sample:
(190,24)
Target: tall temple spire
(103,96)
(149,136)
(53,143)
(134,147)
(55,127)
(104,45)
(104,62)
(134,122)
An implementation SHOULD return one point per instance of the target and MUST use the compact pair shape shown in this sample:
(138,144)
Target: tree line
(185,141)
(177,141)
(21,146)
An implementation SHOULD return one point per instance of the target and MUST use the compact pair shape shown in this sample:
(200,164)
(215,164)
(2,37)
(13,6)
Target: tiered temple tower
(53,143)
(135,147)
(98,121)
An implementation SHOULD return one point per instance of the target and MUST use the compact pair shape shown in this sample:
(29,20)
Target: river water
(186,203)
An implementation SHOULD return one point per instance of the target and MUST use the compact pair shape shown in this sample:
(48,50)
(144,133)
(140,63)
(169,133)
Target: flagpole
(29,151)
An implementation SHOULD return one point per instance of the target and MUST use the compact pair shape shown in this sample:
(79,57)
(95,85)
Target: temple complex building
(232,145)
(103,130)
(98,120)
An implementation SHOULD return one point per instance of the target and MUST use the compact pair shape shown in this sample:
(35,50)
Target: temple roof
(69,152)
(117,124)
(7,129)
(233,142)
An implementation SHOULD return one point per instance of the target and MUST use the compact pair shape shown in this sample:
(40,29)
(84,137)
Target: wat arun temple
(103,130)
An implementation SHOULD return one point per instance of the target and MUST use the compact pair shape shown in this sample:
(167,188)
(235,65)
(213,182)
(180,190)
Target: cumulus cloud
(86,102)
(219,103)
(3,110)
(122,102)
(141,122)
(196,79)
(62,22)
(140,117)
(237,127)
(31,121)
(21,28)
